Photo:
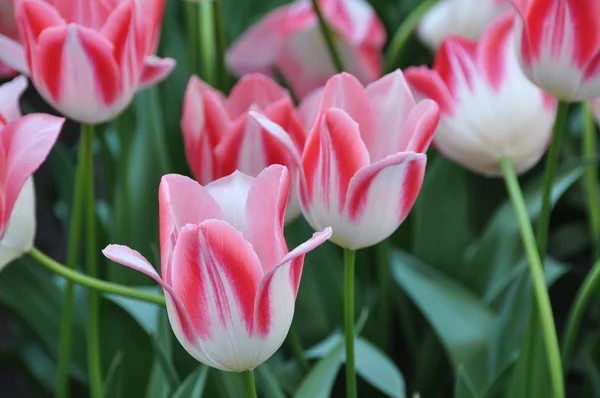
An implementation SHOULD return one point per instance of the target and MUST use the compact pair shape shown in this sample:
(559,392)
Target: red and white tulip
(220,138)
(88,58)
(228,278)
(466,18)
(289,39)
(558,44)
(489,109)
(25,142)
(364,159)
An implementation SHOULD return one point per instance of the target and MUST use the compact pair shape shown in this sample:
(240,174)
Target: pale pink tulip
(228,278)
(25,141)
(220,138)
(489,108)
(289,39)
(88,58)
(558,45)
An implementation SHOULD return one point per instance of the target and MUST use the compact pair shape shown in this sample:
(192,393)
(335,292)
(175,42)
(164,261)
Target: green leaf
(267,383)
(113,380)
(378,370)
(464,387)
(164,378)
(193,385)
(320,379)
(146,314)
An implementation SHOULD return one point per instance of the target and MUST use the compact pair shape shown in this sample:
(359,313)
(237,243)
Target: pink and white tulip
(465,18)
(289,39)
(25,142)
(558,44)
(88,58)
(8,28)
(364,159)
(489,109)
(220,138)
(228,278)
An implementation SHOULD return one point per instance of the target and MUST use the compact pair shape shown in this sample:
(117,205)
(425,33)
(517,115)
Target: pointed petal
(276,297)
(181,201)
(420,126)
(254,90)
(10,93)
(216,277)
(155,70)
(36,16)
(20,230)
(307,111)
(27,142)
(379,199)
(427,83)
(12,54)
(231,193)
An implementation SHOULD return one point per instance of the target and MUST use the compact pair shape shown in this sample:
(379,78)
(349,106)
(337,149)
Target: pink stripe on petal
(155,70)
(253,90)
(38,15)
(455,62)
(494,47)
(428,83)
(421,125)
(118,30)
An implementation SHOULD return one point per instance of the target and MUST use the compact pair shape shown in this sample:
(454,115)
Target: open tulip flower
(558,44)
(88,58)
(8,28)
(220,138)
(25,142)
(289,39)
(467,18)
(229,281)
(489,108)
(364,159)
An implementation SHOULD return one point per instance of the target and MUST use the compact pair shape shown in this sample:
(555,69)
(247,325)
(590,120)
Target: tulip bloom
(220,138)
(558,44)
(24,144)
(466,18)
(229,281)
(364,159)
(489,108)
(8,28)
(289,39)
(88,59)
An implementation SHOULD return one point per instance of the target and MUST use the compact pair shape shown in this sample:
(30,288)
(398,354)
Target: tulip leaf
(146,314)
(378,370)
(267,382)
(113,380)
(464,387)
(319,382)
(164,378)
(193,385)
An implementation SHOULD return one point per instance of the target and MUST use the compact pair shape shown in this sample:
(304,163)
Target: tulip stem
(221,45)
(249,386)
(206,42)
(91,257)
(349,260)
(403,33)
(328,38)
(542,298)
(295,346)
(97,284)
(64,345)
(590,182)
(383,276)
(560,125)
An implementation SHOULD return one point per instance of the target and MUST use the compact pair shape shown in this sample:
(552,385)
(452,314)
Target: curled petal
(420,126)
(155,70)
(12,54)
(20,230)
(10,93)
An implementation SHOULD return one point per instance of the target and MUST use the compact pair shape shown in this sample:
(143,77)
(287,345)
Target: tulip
(88,58)
(489,109)
(558,45)
(220,138)
(24,145)
(364,159)
(466,18)
(229,281)
(289,39)
(8,28)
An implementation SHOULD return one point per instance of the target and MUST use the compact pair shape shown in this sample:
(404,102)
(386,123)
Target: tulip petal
(217,277)
(37,16)
(10,93)
(231,193)
(374,208)
(420,126)
(12,54)
(253,90)
(428,83)
(181,201)
(309,107)
(20,229)
(276,297)
(265,212)
(155,70)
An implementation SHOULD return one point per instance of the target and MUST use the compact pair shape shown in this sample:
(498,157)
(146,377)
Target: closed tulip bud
(489,109)
(558,45)
(25,142)
(289,39)
(88,58)
(229,281)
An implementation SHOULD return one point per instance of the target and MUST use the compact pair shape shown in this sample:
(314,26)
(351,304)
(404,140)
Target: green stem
(349,260)
(295,346)
(403,33)
(191,17)
(551,166)
(590,181)
(221,45)
(249,386)
(87,281)
(539,283)
(383,276)
(589,285)
(93,327)
(207,51)
(328,37)
(64,347)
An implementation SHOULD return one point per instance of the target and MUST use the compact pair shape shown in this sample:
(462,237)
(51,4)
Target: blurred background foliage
(445,307)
